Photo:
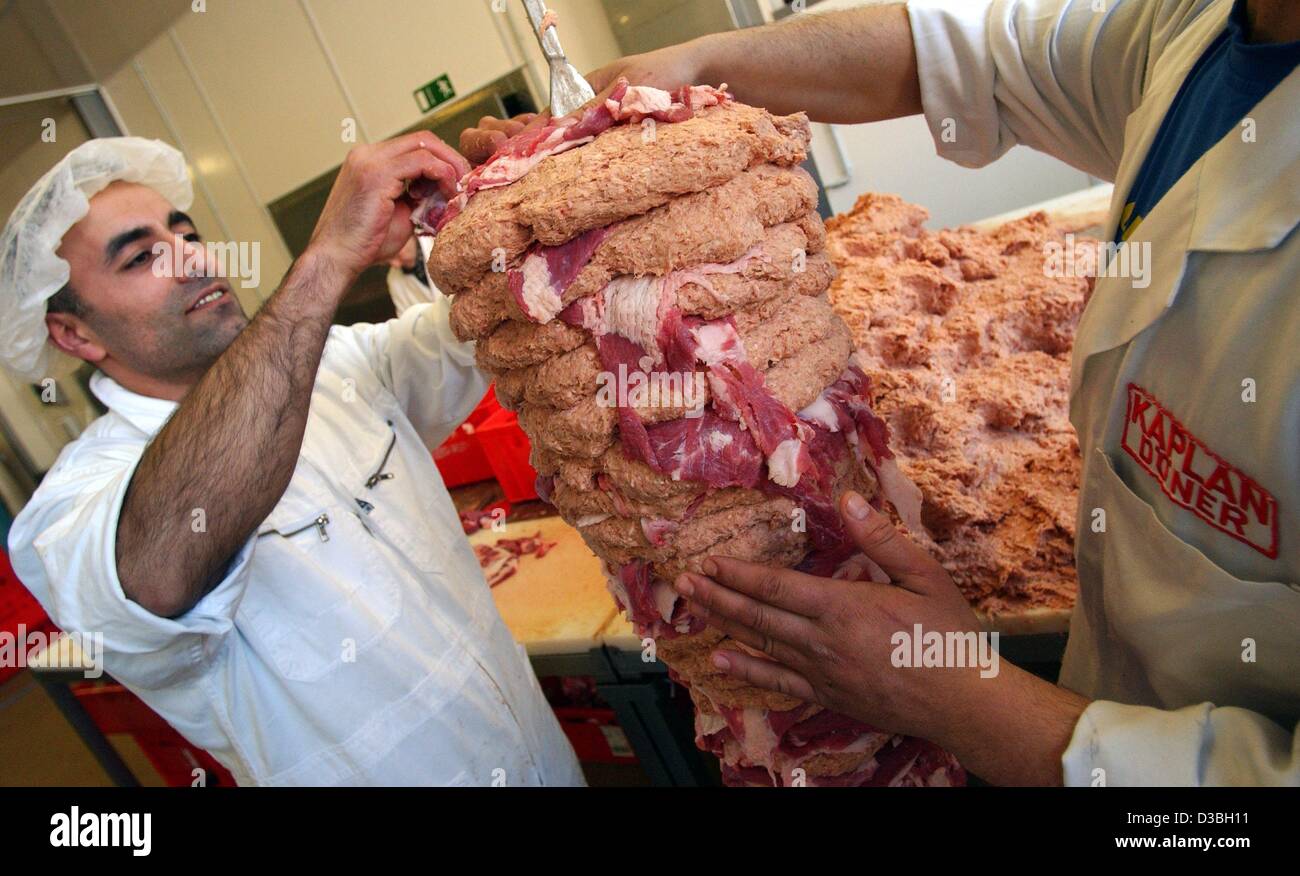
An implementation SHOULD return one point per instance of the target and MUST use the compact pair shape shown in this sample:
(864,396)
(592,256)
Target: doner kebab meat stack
(646,283)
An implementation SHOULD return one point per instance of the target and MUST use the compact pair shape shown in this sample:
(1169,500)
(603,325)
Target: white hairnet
(30,271)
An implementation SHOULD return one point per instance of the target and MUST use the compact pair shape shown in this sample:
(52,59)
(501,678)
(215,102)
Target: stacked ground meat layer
(653,304)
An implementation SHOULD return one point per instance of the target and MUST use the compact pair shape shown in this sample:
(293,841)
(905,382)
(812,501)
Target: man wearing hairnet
(256,527)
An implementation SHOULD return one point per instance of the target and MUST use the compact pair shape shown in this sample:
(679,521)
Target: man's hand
(479,143)
(366,219)
(829,641)
(849,66)
(669,68)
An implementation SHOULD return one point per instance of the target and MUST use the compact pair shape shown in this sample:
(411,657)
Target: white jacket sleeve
(1124,746)
(1060,76)
(418,359)
(63,547)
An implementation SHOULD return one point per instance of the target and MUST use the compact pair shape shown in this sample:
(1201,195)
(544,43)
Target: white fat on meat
(657,529)
(632,309)
(617,590)
(506,169)
(665,598)
(642,99)
(758,742)
(699,274)
(783,464)
(635,307)
(540,300)
(717,342)
(592,319)
(731,752)
(821,412)
(723,403)
(904,495)
(701,96)
(590,520)
(645,100)
(719,440)
(708,723)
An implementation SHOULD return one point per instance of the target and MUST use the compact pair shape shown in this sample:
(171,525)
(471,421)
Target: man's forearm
(230,448)
(856,65)
(1011,729)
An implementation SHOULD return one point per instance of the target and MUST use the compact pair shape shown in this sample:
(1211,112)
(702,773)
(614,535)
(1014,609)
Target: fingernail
(721,662)
(856,506)
(710,568)
(685,585)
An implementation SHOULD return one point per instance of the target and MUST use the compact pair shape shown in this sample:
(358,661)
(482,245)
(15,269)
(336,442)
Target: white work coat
(1185,394)
(353,639)
(407,291)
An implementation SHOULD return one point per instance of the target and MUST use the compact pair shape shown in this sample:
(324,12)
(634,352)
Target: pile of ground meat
(967,341)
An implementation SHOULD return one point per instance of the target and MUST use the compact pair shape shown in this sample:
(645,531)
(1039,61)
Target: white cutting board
(557,604)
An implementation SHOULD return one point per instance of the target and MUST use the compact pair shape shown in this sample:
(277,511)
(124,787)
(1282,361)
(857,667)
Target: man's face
(142,322)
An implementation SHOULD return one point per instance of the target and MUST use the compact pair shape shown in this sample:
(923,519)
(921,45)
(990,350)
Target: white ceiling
(49,44)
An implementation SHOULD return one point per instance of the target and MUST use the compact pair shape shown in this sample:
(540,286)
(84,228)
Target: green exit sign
(433,93)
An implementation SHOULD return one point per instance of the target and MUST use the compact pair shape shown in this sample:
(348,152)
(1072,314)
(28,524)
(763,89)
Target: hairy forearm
(223,460)
(1011,729)
(856,65)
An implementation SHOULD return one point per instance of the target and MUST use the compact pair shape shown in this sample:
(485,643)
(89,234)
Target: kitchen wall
(898,157)
(34,431)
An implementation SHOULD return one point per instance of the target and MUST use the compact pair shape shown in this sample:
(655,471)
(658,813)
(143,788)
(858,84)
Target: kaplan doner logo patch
(1195,477)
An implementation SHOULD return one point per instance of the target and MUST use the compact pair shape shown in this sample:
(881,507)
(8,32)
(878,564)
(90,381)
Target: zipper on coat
(321,522)
(380,474)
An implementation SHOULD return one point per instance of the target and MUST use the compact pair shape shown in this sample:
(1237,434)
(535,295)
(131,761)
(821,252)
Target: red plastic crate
(595,735)
(460,458)
(506,447)
(114,709)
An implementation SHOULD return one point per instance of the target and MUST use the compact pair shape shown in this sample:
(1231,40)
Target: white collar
(144,412)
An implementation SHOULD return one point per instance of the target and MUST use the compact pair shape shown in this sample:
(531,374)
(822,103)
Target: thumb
(600,79)
(903,560)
